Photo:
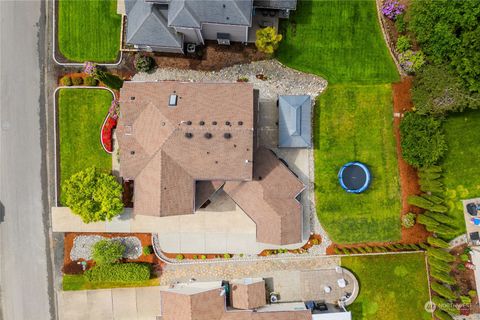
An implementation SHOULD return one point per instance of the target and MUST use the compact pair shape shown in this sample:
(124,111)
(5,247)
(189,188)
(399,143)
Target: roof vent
(214,123)
(188,135)
(208,135)
(189,123)
(201,123)
(132,152)
(132,98)
(227,123)
(240,123)
(227,135)
(172,101)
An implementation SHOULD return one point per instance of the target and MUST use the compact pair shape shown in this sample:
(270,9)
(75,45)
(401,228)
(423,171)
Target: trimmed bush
(147,250)
(398,246)
(440,217)
(439,264)
(422,140)
(203,257)
(411,61)
(431,169)
(464,257)
(179,257)
(337,251)
(345,251)
(419,202)
(143,63)
(90,81)
(443,291)
(442,230)
(227,256)
(368,249)
(107,251)
(66,81)
(442,276)
(445,305)
(426,220)
(437,242)
(423,245)
(429,175)
(77,81)
(408,220)
(465,299)
(442,315)
(472,293)
(119,272)
(413,246)
(440,254)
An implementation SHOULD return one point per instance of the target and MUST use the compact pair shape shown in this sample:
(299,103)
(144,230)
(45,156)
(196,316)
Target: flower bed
(106,133)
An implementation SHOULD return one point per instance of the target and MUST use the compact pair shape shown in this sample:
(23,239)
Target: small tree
(443,291)
(442,276)
(440,254)
(93,195)
(267,40)
(445,305)
(437,242)
(408,220)
(439,265)
(143,63)
(107,251)
(422,140)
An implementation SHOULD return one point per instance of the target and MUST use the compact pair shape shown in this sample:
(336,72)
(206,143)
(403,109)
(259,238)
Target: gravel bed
(82,247)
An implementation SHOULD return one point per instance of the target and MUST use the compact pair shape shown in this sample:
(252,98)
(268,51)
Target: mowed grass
(339,40)
(80,282)
(89,30)
(392,287)
(461,163)
(81,113)
(354,123)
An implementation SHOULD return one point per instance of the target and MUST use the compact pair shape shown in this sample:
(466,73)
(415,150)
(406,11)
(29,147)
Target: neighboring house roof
(269,200)
(166,149)
(204,190)
(276,4)
(147,26)
(208,304)
(192,13)
(295,122)
(247,293)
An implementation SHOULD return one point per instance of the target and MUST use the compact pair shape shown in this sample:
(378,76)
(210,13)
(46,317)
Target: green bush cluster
(445,305)
(437,242)
(144,63)
(78,81)
(66,81)
(119,272)
(403,44)
(443,291)
(422,140)
(90,81)
(442,315)
(107,251)
(439,265)
(411,61)
(408,220)
(147,250)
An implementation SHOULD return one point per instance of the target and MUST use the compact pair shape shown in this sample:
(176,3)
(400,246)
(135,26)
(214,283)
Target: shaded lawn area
(461,162)
(81,113)
(338,40)
(80,282)
(392,287)
(355,123)
(89,30)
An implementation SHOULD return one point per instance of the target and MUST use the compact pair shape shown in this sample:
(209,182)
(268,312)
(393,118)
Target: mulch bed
(402,102)
(72,267)
(465,279)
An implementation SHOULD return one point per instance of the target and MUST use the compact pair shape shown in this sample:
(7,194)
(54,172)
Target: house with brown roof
(180,142)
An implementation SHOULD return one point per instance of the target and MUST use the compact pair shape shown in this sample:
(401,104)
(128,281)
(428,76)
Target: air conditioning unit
(223,38)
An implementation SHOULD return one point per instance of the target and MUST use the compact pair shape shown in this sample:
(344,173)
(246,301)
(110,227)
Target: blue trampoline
(354,177)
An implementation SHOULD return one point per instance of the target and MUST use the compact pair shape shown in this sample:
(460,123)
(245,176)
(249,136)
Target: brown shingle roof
(208,135)
(269,199)
(248,295)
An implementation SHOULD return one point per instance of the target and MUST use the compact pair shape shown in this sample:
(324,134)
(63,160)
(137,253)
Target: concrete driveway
(118,304)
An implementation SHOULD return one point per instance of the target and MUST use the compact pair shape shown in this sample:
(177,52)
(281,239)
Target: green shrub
(77,81)
(66,81)
(203,257)
(119,272)
(426,220)
(439,265)
(391,247)
(443,291)
(464,257)
(361,250)
(442,315)
(403,44)
(442,230)
(413,246)
(461,267)
(411,61)
(195,257)
(107,251)
(143,63)
(90,81)
(337,251)
(227,256)
(437,242)
(465,299)
(110,80)
(442,276)
(400,23)
(422,140)
(423,245)
(472,293)
(440,254)
(368,249)
(430,169)
(345,251)
(267,40)
(419,202)
(179,257)
(408,220)
(147,250)
(445,305)
(398,246)
(429,176)
(440,217)
(377,250)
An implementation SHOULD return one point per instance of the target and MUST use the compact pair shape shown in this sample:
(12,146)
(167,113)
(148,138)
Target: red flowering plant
(106,133)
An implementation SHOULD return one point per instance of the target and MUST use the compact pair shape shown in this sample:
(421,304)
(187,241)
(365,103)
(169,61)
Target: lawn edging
(77,64)
(56,148)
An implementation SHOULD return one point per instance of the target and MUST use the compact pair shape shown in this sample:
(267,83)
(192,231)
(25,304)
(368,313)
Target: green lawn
(79,282)
(339,40)
(89,30)
(81,113)
(462,162)
(392,287)
(354,122)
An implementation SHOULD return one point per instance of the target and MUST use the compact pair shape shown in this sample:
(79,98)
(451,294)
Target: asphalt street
(24,282)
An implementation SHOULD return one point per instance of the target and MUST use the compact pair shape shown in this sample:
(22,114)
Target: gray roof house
(295,117)
(166,25)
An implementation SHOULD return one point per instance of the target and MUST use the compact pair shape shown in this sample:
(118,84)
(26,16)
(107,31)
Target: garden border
(78,64)
(56,153)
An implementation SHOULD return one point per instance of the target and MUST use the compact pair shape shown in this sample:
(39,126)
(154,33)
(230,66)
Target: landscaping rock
(82,247)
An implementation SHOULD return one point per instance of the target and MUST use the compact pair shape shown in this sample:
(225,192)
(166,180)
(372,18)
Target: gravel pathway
(82,247)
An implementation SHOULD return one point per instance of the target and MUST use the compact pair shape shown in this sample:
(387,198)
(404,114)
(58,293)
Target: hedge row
(119,272)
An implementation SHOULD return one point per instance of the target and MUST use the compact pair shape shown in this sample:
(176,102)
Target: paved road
(24,261)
